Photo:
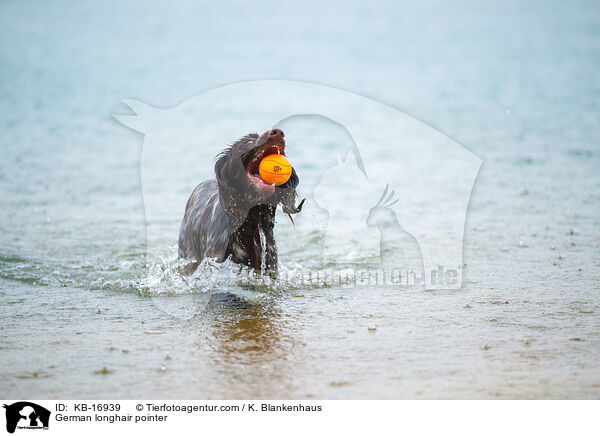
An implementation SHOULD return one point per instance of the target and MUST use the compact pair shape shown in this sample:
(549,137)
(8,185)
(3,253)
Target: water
(516,84)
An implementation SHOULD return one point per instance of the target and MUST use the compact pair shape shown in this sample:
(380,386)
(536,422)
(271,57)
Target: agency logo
(26,415)
(385,191)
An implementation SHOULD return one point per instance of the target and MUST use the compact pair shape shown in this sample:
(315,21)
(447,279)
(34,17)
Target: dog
(233,215)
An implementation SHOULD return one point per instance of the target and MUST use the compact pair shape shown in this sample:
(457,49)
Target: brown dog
(231,216)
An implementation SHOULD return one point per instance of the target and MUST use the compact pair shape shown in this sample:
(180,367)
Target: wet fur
(227,217)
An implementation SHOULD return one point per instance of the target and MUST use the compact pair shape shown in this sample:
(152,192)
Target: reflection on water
(245,332)
(251,346)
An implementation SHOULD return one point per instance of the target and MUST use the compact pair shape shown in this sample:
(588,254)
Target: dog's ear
(287,194)
(292,182)
(229,170)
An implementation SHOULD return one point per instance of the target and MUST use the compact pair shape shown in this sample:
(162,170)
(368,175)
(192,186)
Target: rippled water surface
(82,315)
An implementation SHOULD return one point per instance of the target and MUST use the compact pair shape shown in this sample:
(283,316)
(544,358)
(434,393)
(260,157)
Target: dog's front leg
(271,253)
(267,224)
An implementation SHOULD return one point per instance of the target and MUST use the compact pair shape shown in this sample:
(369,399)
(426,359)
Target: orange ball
(275,169)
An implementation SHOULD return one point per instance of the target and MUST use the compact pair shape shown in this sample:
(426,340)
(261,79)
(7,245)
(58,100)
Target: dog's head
(240,186)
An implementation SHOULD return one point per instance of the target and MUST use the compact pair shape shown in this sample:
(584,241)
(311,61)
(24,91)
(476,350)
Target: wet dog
(233,215)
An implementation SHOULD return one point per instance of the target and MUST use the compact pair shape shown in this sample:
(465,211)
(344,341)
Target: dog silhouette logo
(26,415)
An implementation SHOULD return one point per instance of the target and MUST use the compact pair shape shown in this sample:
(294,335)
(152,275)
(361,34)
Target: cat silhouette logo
(26,415)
